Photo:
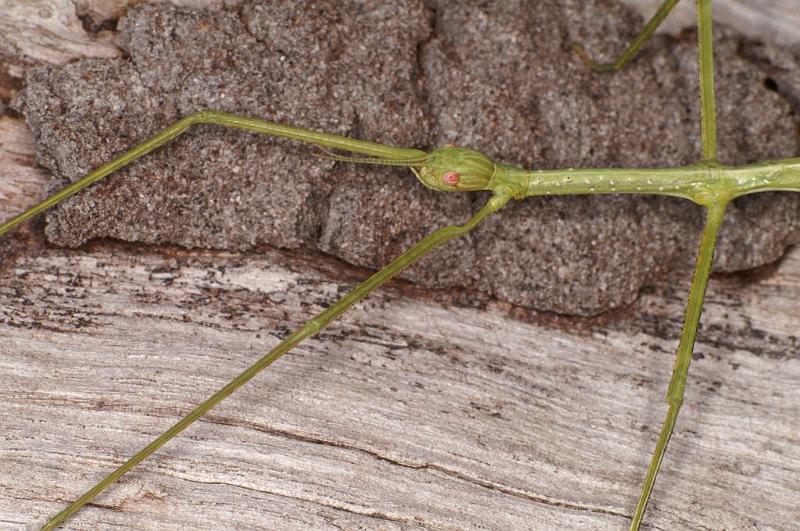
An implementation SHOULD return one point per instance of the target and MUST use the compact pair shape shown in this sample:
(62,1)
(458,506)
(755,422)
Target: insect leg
(677,385)
(633,47)
(312,327)
(708,103)
(326,140)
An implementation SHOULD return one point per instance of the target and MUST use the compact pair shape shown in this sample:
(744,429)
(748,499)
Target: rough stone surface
(492,76)
(781,65)
(236,190)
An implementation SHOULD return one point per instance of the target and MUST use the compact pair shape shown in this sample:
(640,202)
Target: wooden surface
(775,21)
(416,410)
(413,411)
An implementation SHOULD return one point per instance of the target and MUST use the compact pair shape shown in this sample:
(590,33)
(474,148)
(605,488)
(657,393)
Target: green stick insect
(458,169)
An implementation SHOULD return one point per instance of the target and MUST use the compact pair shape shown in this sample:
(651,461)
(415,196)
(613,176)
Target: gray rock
(494,76)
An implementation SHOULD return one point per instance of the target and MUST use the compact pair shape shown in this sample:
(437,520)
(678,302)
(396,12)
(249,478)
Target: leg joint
(674,401)
(201,117)
(314,326)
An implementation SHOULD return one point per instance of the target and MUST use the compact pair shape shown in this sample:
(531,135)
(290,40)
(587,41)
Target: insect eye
(450,178)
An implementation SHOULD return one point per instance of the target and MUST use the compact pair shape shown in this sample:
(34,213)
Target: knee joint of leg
(674,401)
(314,326)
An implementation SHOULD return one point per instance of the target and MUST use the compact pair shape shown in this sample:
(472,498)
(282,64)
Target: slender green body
(456,169)
(703,183)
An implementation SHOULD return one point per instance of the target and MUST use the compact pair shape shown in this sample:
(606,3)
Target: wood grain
(776,21)
(46,31)
(413,411)
(21,181)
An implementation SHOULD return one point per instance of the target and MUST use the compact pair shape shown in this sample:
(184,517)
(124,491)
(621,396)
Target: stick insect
(456,169)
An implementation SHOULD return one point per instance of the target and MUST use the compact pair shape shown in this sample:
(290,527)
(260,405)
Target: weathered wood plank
(406,413)
(21,182)
(776,21)
(39,31)
(409,413)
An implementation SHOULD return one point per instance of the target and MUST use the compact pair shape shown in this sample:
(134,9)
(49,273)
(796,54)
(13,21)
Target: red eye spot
(450,178)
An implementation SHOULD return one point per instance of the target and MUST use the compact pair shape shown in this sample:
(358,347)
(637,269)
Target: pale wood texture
(22,182)
(413,411)
(46,31)
(776,21)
